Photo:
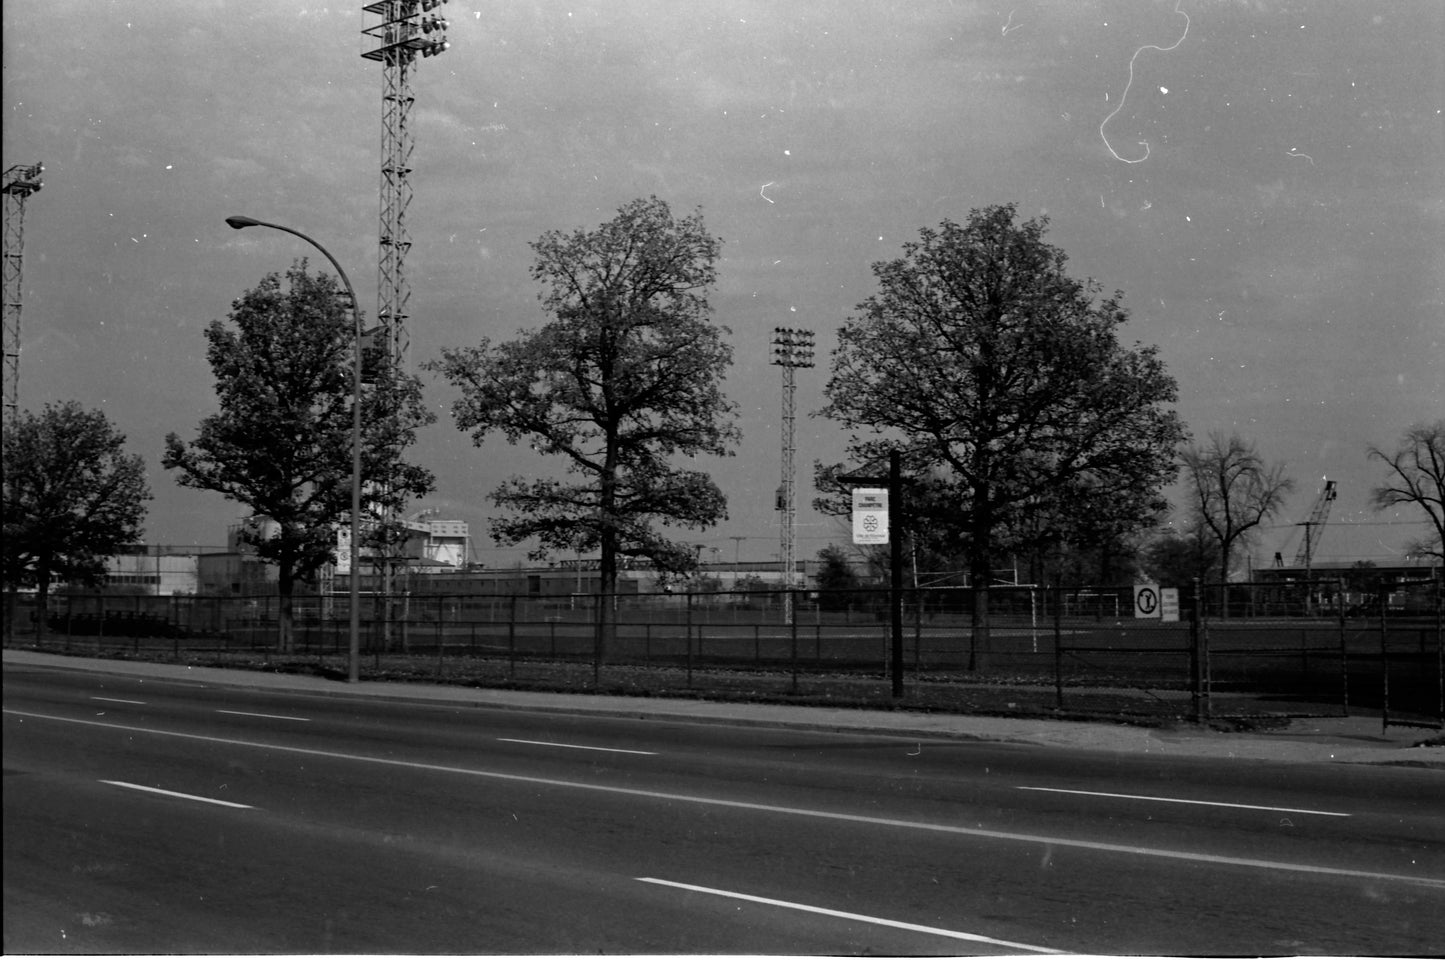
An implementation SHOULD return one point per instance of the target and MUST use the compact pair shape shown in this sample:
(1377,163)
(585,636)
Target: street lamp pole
(353,663)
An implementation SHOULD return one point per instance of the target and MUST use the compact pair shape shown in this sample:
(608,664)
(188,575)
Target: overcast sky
(1264,181)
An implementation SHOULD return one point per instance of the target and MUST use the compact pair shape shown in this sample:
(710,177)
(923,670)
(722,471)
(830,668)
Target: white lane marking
(1205,803)
(944,828)
(139,703)
(172,793)
(881,921)
(578,746)
(264,716)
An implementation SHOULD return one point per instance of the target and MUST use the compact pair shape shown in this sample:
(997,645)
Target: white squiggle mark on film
(1010,25)
(764,187)
(1294,152)
(1125,95)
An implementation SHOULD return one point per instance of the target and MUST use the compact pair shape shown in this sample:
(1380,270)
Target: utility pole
(20,182)
(792,348)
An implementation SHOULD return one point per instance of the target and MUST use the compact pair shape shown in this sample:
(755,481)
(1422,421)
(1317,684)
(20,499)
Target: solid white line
(1206,803)
(172,793)
(898,924)
(264,716)
(944,828)
(139,703)
(578,746)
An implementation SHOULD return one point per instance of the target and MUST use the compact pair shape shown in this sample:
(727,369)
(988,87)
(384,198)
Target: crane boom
(1319,513)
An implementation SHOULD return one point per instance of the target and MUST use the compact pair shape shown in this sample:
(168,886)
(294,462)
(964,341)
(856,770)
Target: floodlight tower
(792,348)
(20,182)
(406,28)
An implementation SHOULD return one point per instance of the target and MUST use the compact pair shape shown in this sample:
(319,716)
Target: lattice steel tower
(406,28)
(792,348)
(19,183)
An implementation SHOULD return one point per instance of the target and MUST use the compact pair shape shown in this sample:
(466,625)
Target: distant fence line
(1234,647)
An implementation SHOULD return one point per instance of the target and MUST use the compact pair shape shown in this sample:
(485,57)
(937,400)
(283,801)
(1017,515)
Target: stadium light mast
(406,29)
(20,182)
(792,348)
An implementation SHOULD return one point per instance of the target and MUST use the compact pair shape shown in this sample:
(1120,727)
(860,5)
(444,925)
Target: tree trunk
(285,584)
(981,573)
(607,565)
(42,601)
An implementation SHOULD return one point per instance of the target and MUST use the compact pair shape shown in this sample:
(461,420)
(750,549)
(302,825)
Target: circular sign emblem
(1146,601)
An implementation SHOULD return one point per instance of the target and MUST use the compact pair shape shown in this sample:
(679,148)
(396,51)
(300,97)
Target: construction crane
(1319,513)
(407,29)
(20,182)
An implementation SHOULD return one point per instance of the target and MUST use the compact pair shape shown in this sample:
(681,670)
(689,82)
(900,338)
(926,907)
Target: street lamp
(353,664)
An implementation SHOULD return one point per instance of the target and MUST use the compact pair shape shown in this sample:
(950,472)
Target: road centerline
(180,796)
(1203,803)
(943,828)
(577,746)
(844,915)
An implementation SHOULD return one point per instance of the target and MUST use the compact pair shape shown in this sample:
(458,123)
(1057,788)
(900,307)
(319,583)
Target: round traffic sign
(1146,601)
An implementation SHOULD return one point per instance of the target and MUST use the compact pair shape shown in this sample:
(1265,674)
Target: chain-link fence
(1236,650)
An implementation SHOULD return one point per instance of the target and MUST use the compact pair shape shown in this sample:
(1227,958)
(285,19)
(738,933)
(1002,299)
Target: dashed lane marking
(1205,803)
(578,746)
(943,828)
(181,796)
(264,716)
(844,915)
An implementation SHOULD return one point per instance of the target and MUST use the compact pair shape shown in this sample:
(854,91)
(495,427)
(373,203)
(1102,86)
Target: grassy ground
(1076,697)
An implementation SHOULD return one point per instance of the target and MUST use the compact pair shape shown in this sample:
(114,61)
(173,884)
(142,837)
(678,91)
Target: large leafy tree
(1232,492)
(72,497)
(1002,381)
(1176,558)
(625,376)
(281,442)
(1417,477)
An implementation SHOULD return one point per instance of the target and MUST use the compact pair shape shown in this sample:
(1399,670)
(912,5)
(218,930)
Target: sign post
(873,523)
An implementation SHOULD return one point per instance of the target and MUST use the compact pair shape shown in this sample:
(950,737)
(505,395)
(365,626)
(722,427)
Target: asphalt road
(145,816)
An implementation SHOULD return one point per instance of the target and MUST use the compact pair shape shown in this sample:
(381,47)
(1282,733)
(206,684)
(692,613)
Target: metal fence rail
(1307,649)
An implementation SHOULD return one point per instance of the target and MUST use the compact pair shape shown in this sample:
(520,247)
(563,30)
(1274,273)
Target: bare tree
(1417,475)
(1234,491)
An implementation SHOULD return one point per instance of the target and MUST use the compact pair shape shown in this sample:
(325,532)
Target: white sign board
(1169,605)
(870,515)
(343,550)
(1146,600)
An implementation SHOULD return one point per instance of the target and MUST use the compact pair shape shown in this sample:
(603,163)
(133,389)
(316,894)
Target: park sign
(1169,605)
(1146,601)
(870,515)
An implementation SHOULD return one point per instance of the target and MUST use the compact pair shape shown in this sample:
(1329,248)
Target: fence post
(1440,644)
(794,629)
(511,621)
(1344,649)
(1196,672)
(687,626)
(1384,660)
(1058,644)
(917,632)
